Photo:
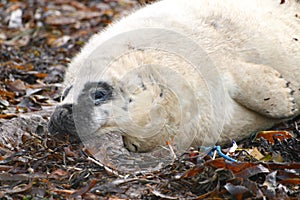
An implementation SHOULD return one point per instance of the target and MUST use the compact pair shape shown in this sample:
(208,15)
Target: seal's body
(253,46)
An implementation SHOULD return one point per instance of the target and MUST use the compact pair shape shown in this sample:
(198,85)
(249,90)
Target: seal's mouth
(63,123)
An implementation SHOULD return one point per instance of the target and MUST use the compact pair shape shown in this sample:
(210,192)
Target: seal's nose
(61,120)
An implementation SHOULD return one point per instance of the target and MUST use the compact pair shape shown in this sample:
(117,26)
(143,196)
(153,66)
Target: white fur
(236,35)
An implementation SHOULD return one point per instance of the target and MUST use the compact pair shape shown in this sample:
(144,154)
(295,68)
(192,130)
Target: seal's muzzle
(61,121)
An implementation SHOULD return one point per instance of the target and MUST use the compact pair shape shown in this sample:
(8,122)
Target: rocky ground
(37,40)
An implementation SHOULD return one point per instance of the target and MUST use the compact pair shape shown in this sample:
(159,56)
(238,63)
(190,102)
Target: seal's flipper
(264,90)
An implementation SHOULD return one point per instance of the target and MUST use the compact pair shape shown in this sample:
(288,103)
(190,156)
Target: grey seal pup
(246,76)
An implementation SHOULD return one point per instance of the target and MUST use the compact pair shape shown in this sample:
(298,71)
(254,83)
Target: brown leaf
(236,190)
(276,166)
(69,152)
(68,192)
(82,191)
(271,135)
(82,15)
(255,153)
(19,188)
(251,171)
(79,5)
(234,167)
(193,172)
(41,75)
(20,40)
(6,94)
(288,178)
(7,116)
(60,20)
(15,177)
(58,41)
(16,86)
(58,173)
(27,67)
(5,167)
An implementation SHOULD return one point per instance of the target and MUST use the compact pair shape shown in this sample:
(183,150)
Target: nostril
(61,120)
(68,107)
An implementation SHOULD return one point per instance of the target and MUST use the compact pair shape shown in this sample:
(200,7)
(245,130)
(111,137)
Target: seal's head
(139,107)
(149,96)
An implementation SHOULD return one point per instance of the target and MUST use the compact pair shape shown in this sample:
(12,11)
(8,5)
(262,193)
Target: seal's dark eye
(101,93)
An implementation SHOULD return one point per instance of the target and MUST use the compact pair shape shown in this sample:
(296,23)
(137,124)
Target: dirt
(38,38)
